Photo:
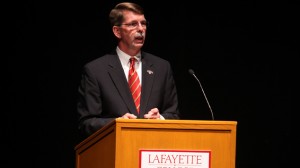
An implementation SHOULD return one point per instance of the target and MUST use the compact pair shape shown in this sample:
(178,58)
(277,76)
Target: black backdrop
(242,52)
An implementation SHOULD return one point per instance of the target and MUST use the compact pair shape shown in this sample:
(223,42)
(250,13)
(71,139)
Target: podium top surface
(162,124)
(171,121)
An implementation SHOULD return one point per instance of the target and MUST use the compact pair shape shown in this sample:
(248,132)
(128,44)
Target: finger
(125,117)
(132,116)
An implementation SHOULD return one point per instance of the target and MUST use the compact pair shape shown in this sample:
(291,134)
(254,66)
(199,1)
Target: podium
(119,143)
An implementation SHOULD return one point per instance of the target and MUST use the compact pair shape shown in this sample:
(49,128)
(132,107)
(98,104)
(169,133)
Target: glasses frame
(135,24)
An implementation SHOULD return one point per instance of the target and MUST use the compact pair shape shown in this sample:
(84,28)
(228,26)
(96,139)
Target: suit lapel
(148,74)
(117,75)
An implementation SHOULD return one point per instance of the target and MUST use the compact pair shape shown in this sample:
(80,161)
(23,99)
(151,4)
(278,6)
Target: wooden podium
(118,144)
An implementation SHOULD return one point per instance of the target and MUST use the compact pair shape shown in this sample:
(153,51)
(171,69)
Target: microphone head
(191,72)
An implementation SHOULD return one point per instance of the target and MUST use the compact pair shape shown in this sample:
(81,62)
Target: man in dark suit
(104,92)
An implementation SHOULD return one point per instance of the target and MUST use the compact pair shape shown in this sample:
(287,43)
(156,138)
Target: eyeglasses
(135,24)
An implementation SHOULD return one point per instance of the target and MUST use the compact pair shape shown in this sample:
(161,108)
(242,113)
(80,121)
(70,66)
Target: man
(104,92)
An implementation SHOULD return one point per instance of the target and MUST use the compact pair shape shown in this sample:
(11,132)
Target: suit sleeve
(170,101)
(89,105)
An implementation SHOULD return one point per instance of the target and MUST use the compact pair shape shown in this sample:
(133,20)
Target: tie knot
(132,61)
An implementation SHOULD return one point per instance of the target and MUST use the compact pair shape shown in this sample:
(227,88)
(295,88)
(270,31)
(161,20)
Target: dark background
(243,52)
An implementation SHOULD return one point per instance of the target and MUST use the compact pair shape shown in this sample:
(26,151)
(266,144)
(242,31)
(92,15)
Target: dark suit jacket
(104,93)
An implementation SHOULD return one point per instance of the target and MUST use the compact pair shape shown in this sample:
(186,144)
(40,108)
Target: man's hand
(153,114)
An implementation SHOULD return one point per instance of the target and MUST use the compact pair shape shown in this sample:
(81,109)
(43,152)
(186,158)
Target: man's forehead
(130,16)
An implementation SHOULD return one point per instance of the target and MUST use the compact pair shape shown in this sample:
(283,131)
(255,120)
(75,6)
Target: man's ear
(116,31)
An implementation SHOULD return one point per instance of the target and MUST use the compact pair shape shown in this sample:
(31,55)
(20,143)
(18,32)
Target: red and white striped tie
(134,84)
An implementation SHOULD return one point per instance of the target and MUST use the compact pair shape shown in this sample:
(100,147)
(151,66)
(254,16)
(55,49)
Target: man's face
(132,31)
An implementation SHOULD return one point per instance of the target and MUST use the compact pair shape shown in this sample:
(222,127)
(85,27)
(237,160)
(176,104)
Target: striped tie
(134,84)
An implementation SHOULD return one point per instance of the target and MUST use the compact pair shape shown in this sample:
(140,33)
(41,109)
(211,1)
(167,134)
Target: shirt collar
(125,57)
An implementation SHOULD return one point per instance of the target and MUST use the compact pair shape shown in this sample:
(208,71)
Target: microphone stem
(212,114)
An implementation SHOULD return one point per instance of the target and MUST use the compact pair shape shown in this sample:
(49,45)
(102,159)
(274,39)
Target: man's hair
(116,14)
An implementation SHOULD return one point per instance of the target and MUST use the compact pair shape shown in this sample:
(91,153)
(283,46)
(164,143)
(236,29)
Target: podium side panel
(98,154)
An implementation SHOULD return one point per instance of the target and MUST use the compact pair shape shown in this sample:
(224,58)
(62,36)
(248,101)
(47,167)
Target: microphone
(193,73)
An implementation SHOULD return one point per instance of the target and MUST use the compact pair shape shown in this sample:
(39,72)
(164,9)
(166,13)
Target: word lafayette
(175,159)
